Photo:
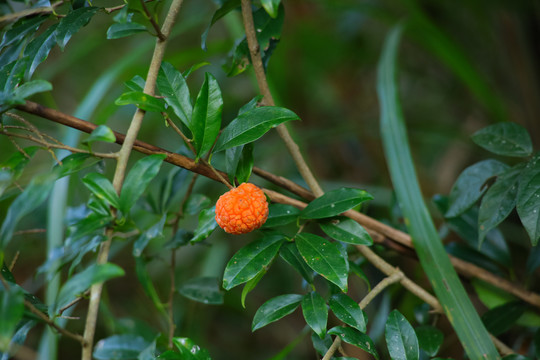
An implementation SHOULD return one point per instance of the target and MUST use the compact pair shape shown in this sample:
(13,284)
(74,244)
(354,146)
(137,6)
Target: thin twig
(14,261)
(73,302)
(30,12)
(152,21)
(51,323)
(179,132)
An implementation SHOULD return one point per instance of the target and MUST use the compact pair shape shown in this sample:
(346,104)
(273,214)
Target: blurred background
(463,65)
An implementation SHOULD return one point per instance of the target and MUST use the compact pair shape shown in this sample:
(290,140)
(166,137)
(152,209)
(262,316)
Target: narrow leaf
(356,338)
(141,100)
(251,125)
(291,255)
(348,311)
(101,187)
(206,225)
(205,290)
(275,309)
(172,85)
(346,230)
(400,338)
(334,203)
(206,121)
(250,285)
(39,48)
(250,260)
(501,318)
(117,31)
(11,312)
(315,312)
(281,214)
(324,258)
(528,199)
(72,23)
(509,139)
(226,7)
(428,246)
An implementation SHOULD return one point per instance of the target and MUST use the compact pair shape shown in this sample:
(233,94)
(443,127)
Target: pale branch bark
(120,171)
(256,61)
(380,232)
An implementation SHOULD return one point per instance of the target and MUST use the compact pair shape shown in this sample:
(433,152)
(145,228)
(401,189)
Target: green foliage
(334,203)
(400,337)
(275,309)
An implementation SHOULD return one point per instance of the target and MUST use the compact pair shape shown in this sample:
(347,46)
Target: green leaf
(189,350)
(528,199)
(346,230)
(250,285)
(206,120)
(30,88)
(501,318)
(281,214)
(39,48)
(141,100)
(271,7)
(74,163)
(226,7)
(138,179)
(400,338)
(80,282)
(291,255)
(239,162)
(315,312)
(498,201)
(356,338)
(101,133)
(334,203)
(102,188)
(324,258)
(348,311)
(120,30)
(251,125)
(11,312)
(22,28)
(153,232)
(428,246)
(275,309)
(72,23)
(205,290)
(148,285)
(508,139)
(172,85)
(136,83)
(31,198)
(120,347)
(430,339)
(196,203)
(207,224)
(250,260)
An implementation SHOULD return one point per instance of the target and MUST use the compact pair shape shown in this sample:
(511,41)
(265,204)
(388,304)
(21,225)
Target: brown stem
(152,21)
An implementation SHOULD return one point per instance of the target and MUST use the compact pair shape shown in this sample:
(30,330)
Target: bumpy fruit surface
(242,209)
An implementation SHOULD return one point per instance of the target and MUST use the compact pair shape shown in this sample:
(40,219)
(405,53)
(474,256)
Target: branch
(120,171)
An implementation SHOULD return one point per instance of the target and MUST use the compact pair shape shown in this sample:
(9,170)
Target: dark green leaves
(138,179)
(251,125)
(346,230)
(505,138)
(120,30)
(400,338)
(206,121)
(203,289)
(73,21)
(315,312)
(471,184)
(101,187)
(173,87)
(11,312)
(348,311)
(250,260)
(430,339)
(281,214)
(324,258)
(120,347)
(528,199)
(501,318)
(356,338)
(334,203)
(141,100)
(275,309)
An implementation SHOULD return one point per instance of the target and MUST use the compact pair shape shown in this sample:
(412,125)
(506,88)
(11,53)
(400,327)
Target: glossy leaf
(528,199)
(315,312)
(39,48)
(206,225)
(470,185)
(501,318)
(102,188)
(196,203)
(291,255)
(324,258)
(136,83)
(206,118)
(334,202)
(205,290)
(506,138)
(251,125)
(271,7)
(400,337)
(72,23)
(275,309)
(356,338)
(428,246)
(281,214)
(20,29)
(348,311)
(141,100)
(239,162)
(120,30)
(11,312)
(189,350)
(346,230)
(82,281)
(120,347)
(430,339)
(250,285)
(250,260)
(101,133)
(153,232)
(138,179)
(499,201)
(173,87)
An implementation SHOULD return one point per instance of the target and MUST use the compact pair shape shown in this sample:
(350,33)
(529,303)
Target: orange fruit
(242,209)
